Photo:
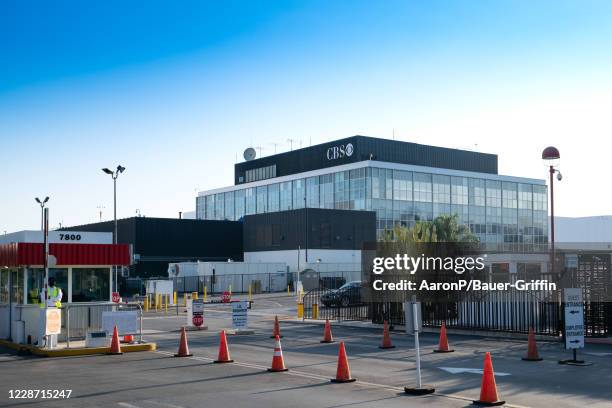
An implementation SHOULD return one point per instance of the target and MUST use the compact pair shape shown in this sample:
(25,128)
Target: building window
(285,196)
(250,201)
(326,191)
(90,284)
(312,192)
(219,211)
(342,190)
(239,204)
(441,195)
(262,199)
(210,207)
(229,206)
(299,193)
(273,197)
(357,194)
(422,187)
(260,173)
(402,185)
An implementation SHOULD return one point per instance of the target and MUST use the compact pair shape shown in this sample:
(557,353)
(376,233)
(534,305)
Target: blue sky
(176,92)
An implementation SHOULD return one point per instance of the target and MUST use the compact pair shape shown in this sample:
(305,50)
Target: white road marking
(457,370)
(163,404)
(597,354)
(126,405)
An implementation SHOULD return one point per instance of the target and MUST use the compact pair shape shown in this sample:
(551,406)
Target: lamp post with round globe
(551,158)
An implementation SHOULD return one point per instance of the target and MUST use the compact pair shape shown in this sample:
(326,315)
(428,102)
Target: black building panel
(369,148)
(327,229)
(159,241)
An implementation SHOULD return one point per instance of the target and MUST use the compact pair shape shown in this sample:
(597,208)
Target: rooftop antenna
(290,141)
(393,133)
(300,143)
(275,146)
(100,208)
(310,141)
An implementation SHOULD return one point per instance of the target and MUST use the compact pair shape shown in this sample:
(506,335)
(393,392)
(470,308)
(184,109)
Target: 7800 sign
(70,237)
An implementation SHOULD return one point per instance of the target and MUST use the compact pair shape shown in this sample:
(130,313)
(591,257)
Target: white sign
(53,321)
(239,315)
(574,318)
(126,322)
(409,317)
(339,152)
(197,312)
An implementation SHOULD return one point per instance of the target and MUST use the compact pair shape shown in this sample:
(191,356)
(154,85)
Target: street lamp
(551,158)
(42,211)
(114,175)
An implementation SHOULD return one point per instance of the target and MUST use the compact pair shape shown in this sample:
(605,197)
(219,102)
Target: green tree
(444,228)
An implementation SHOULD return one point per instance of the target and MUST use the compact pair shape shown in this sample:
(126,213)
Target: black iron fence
(512,310)
(342,303)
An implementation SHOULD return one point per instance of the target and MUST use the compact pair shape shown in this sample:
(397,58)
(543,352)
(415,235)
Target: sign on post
(239,315)
(574,318)
(116,298)
(197,312)
(409,317)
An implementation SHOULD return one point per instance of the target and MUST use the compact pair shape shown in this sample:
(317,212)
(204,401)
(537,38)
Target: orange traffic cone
(128,338)
(386,341)
(278,363)
(327,335)
(115,347)
(443,343)
(224,355)
(183,350)
(532,348)
(488,388)
(276,330)
(343,373)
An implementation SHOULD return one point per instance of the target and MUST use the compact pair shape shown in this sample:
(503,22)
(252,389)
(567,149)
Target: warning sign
(197,311)
(574,318)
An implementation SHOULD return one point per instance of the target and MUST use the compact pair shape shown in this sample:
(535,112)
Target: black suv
(346,295)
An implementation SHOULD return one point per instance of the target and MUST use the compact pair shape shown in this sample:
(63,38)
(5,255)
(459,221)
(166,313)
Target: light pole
(42,211)
(114,175)
(551,157)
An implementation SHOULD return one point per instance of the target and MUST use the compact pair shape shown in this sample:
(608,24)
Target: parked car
(346,295)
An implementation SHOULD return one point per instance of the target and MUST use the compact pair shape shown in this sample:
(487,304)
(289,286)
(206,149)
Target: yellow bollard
(184,299)
(229,289)
(250,294)
(300,310)
(288,291)
(167,300)
(205,293)
(146,303)
(174,298)
(315,310)
(194,295)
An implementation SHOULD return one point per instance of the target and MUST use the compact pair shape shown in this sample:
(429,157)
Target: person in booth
(54,295)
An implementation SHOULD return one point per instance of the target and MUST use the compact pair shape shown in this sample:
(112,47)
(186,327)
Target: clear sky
(175,91)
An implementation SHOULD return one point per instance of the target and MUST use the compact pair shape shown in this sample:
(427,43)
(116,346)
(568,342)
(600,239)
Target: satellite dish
(249,154)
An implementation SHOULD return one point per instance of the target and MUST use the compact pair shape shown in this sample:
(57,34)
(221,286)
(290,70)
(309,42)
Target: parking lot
(157,379)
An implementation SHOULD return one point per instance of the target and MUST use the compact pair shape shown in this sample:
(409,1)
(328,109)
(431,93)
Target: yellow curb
(126,348)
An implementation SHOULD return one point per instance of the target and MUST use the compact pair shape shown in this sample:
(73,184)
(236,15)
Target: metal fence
(80,318)
(510,310)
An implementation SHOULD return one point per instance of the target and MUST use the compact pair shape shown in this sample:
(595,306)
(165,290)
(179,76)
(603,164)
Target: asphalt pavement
(157,379)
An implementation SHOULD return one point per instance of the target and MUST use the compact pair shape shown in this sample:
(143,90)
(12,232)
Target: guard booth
(81,263)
